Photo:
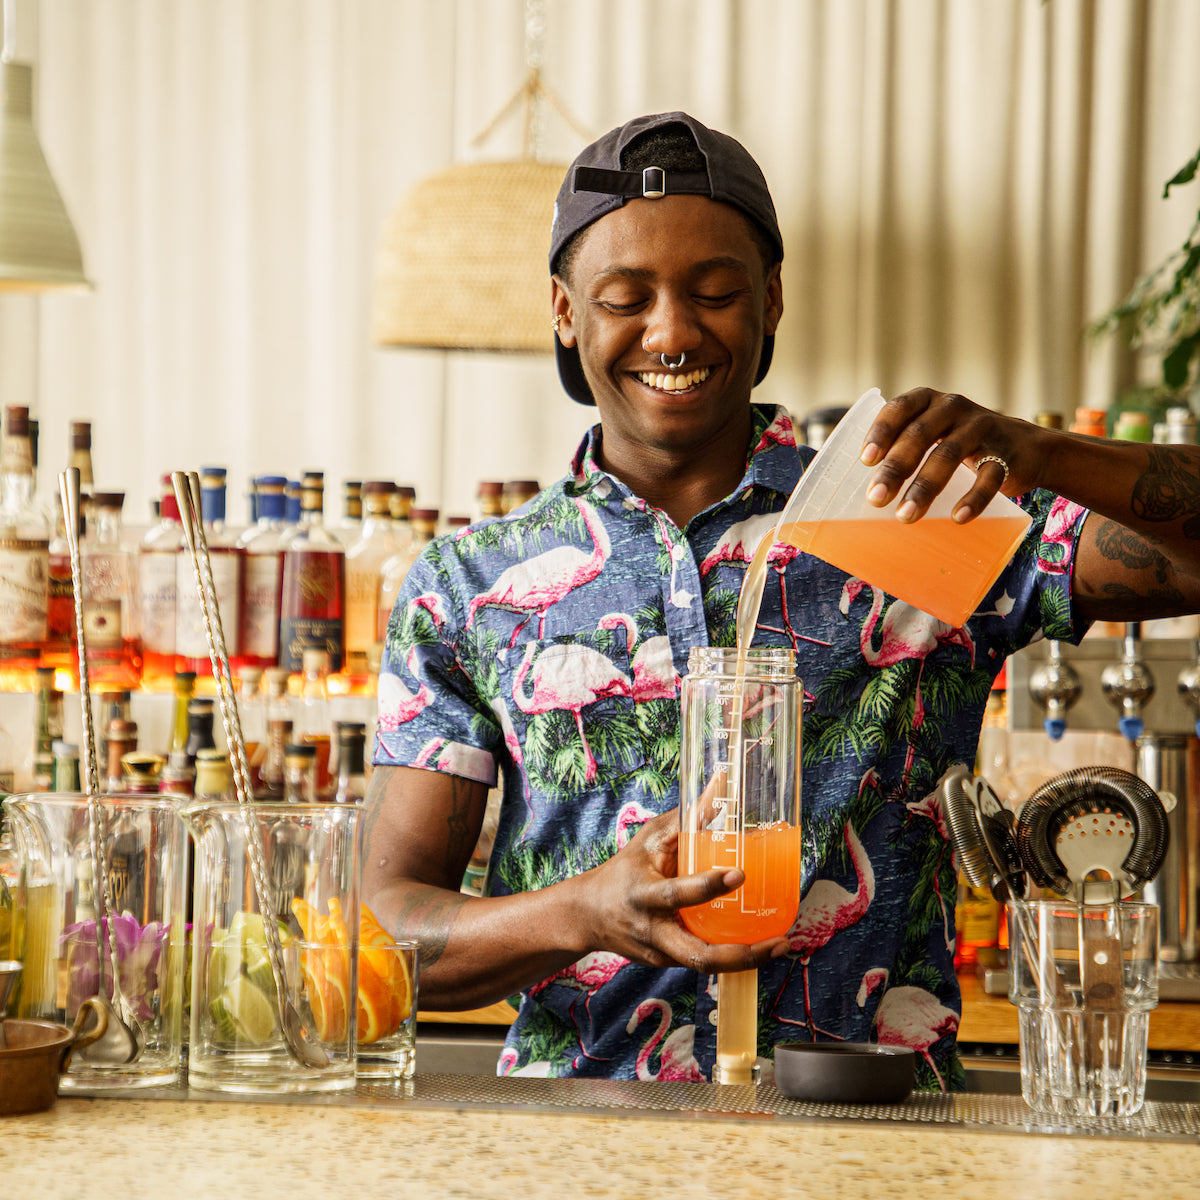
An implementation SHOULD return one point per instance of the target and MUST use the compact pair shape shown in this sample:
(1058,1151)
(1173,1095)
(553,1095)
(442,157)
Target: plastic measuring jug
(934,564)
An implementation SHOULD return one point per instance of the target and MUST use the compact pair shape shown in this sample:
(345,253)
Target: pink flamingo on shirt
(676,1062)
(631,813)
(738,543)
(587,976)
(931,807)
(906,633)
(911,1016)
(397,704)
(653,668)
(826,910)
(568,676)
(534,585)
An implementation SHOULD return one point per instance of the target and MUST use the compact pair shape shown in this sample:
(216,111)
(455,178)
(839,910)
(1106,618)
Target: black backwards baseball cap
(596,184)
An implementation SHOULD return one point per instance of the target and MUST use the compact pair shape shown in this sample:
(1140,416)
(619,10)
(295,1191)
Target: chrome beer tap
(1055,685)
(1189,686)
(1128,685)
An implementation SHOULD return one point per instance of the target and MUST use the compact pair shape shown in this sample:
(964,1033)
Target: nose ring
(674,365)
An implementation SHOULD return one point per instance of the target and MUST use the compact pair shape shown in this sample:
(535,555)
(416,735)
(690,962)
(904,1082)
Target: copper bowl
(35,1055)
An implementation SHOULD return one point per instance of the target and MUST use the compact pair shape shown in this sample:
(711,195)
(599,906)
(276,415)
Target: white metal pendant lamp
(39,249)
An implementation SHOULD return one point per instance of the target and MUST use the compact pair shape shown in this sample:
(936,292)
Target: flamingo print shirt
(544,650)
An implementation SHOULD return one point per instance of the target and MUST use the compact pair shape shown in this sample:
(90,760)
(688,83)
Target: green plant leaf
(1176,364)
(1185,174)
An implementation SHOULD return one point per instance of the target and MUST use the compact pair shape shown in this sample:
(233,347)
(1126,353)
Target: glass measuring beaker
(312,859)
(739,790)
(144,845)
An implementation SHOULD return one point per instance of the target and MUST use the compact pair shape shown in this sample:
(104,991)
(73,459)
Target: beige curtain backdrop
(962,185)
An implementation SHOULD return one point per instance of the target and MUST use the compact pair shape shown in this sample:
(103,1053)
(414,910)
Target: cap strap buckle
(654,183)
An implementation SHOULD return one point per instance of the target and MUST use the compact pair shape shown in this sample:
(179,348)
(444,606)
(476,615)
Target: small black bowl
(844,1072)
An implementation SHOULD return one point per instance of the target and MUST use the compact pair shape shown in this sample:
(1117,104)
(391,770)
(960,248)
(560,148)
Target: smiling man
(547,646)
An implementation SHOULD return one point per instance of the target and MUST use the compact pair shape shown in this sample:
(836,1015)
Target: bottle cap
(299,750)
(63,749)
(81,435)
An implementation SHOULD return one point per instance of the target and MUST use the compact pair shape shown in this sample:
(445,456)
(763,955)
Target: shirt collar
(772,462)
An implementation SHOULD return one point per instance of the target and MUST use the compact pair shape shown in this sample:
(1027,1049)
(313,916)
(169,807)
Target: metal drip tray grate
(702,1101)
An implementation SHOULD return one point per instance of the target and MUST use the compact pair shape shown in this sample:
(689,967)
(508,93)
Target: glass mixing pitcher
(740,789)
(144,846)
(311,856)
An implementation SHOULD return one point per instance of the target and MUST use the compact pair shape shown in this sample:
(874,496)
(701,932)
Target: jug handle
(79,1038)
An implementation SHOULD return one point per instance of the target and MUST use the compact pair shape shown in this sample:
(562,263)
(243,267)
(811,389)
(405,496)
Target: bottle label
(102,624)
(295,633)
(24,571)
(264,582)
(156,602)
(190,639)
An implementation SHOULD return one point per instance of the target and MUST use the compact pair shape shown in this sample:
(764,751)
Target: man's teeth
(674,383)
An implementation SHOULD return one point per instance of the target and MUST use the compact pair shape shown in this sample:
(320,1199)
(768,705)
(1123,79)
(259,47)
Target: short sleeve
(430,712)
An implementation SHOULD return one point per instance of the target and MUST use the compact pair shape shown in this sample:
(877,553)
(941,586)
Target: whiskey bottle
(280,722)
(122,740)
(157,567)
(24,560)
(263,546)
(364,561)
(314,584)
(517,492)
(349,526)
(185,690)
(351,778)
(299,783)
(58,650)
(393,571)
(490,498)
(214,776)
(107,569)
(313,715)
(191,641)
(81,460)
(49,729)
(200,727)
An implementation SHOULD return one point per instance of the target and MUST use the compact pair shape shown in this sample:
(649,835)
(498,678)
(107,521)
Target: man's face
(677,275)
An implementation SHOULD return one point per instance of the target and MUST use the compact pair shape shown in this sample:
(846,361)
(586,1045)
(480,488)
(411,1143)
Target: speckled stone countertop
(173,1149)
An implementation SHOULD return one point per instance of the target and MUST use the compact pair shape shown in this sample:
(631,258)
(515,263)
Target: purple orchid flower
(139,949)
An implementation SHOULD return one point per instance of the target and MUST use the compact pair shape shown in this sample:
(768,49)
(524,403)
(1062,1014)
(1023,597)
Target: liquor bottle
(364,561)
(352,511)
(351,778)
(157,565)
(81,460)
(252,713)
(263,546)
(191,641)
(49,729)
(517,492)
(66,767)
(58,650)
(111,705)
(185,690)
(178,777)
(457,523)
(279,731)
(24,560)
(490,498)
(122,740)
(400,506)
(291,502)
(392,573)
(314,583)
(107,565)
(214,776)
(142,773)
(200,727)
(312,722)
(299,782)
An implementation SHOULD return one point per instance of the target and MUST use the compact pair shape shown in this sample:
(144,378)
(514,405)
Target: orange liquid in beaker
(765,905)
(940,567)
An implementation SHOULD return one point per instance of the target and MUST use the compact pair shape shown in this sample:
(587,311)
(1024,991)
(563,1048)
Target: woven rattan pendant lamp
(39,250)
(462,257)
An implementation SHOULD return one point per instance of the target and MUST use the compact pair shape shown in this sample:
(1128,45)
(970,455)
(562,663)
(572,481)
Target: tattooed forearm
(1169,490)
(427,916)
(1121,545)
